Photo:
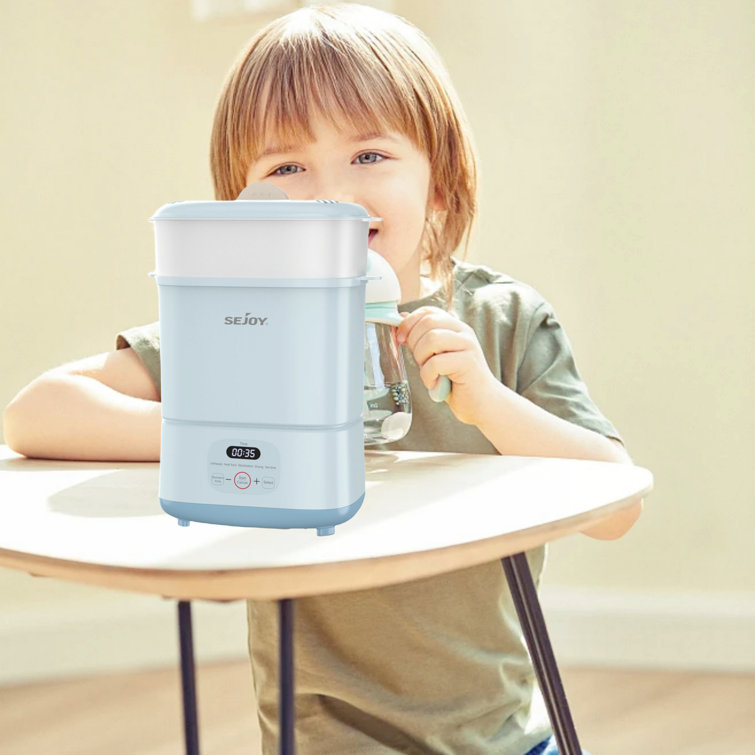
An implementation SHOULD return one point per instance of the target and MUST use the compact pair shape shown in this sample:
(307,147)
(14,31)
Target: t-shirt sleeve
(547,375)
(145,341)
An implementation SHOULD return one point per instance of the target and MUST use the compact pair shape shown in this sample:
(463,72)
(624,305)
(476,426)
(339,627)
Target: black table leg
(531,618)
(286,655)
(188,684)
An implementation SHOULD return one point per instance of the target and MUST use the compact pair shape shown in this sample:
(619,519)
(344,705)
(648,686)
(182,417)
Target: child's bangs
(365,72)
(304,83)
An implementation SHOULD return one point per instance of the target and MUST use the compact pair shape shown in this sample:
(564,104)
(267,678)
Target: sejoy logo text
(246,319)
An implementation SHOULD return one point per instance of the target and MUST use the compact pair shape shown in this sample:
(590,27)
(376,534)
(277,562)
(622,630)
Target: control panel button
(242,480)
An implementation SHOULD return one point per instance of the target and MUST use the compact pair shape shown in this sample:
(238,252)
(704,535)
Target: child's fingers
(423,320)
(438,365)
(411,319)
(439,341)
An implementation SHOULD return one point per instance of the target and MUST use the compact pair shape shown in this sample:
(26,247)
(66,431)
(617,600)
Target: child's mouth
(371,235)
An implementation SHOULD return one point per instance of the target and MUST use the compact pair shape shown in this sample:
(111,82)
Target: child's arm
(540,433)
(443,345)
(104,407)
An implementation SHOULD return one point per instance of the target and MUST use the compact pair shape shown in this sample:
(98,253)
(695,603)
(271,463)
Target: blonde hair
(368,68)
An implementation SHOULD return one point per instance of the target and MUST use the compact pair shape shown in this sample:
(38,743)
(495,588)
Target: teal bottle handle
(441,390)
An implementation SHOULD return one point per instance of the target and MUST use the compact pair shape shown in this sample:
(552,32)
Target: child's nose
(335,189)
(338,196)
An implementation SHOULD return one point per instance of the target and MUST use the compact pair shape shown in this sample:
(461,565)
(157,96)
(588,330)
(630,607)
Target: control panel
(243,467)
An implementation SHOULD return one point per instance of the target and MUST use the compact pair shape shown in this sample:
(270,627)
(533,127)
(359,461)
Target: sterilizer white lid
(262,209)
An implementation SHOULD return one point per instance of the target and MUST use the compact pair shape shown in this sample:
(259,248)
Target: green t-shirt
(437,665)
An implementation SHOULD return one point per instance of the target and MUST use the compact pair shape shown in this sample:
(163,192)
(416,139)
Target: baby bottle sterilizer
(262,357)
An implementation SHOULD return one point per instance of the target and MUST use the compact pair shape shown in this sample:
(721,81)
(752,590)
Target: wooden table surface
(100,523)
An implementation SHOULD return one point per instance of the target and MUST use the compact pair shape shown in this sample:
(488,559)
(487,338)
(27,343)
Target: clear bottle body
(387,411)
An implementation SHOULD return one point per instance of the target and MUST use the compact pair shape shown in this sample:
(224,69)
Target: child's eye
(285,170)
(370,157)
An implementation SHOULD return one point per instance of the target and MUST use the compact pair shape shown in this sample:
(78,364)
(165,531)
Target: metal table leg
(188,684)
(286,657)
(531,618)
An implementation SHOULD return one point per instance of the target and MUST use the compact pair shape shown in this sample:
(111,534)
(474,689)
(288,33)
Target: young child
(353,104)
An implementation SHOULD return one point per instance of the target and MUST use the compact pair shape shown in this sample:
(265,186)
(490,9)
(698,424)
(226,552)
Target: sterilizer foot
(326,530)
(183,522)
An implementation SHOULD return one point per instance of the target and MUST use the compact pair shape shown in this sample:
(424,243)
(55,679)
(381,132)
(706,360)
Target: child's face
(385,173)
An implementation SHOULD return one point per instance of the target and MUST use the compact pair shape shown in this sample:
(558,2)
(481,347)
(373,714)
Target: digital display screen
(242,452)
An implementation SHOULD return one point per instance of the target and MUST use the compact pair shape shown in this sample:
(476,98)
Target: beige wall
(617,177)
(616,144)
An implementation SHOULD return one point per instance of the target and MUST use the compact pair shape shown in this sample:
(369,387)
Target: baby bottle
(387,411)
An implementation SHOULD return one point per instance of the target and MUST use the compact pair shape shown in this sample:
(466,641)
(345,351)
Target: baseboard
(685,631)
(588,628)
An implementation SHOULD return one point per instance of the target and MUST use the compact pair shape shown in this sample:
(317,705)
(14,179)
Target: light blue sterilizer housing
(262,357)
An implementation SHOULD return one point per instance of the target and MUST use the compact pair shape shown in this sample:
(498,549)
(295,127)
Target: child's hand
(444,345)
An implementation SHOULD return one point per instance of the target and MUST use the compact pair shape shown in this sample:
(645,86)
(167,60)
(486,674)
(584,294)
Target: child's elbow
(13,427)
(617,525)
(27,416)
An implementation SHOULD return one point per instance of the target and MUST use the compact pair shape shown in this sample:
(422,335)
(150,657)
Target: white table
(424,514)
